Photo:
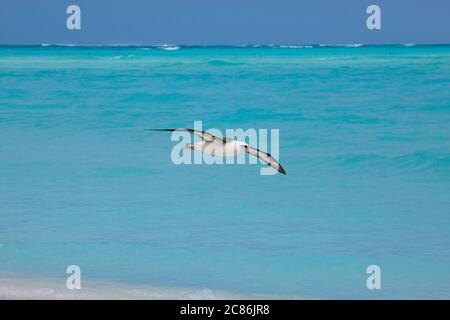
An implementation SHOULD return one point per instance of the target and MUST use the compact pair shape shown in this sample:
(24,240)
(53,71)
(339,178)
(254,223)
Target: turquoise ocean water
(364,138)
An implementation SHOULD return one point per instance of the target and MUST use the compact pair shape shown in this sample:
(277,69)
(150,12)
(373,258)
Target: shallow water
(364,138)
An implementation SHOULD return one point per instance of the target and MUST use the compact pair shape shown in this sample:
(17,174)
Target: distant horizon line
(175,46)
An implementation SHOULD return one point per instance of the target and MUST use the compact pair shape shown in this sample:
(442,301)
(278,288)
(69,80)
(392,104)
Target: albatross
(225,147)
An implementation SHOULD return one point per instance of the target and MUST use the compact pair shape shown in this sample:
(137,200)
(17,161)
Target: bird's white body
(229,149)
(224,147)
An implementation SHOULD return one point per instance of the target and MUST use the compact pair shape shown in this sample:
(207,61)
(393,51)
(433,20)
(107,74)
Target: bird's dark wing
(201,134)
(266,157)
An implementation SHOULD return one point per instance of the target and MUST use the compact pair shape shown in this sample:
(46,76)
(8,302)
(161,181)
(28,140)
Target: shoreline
(170,47)
(23,287)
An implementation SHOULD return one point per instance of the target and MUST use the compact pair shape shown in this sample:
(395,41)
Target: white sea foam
(171,47)
(13,286)
(409,44)
(65,45)
(124,57)
(295,47)
(348,45)
(168,47)
(59,45)
(62,45)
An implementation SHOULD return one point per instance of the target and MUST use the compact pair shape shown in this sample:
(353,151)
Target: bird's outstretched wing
(201,134)
(266,157)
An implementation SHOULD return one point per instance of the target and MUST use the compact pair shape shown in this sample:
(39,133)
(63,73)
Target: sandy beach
(19,287)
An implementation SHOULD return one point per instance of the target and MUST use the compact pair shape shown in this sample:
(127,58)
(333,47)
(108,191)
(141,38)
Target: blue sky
(231,22)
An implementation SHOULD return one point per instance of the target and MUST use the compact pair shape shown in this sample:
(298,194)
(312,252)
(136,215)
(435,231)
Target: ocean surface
(364,138)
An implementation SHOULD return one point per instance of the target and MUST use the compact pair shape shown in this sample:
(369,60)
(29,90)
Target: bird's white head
(240,144)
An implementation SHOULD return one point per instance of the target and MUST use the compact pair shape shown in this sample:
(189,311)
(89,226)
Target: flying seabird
(225,147)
